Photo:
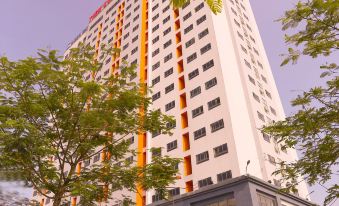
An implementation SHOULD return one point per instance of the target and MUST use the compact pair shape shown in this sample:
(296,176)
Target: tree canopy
(52,120)
(314,128)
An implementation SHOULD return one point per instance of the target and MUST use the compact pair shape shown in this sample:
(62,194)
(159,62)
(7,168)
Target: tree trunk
(57,200)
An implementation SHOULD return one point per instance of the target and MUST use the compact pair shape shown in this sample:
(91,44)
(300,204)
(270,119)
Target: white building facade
(211,73)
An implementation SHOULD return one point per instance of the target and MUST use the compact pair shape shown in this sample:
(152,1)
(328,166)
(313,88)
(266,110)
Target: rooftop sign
(95,14)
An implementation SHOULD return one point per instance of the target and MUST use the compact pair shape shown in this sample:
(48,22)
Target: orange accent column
(74,201)
(42,203)
(140,198)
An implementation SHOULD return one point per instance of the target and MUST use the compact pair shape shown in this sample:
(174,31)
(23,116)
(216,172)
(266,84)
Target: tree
(314,128)
(52,120)
(214,5)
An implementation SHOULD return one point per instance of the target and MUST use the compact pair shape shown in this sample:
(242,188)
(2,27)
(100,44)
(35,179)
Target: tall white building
(211,73)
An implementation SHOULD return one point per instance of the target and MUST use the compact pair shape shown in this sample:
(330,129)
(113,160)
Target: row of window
(220,178)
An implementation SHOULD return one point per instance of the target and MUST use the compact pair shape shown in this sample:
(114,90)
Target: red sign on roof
(97,12)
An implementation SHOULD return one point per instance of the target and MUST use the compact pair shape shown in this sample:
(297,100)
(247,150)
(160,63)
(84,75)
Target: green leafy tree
(52,120)
(214,5)
(314,128)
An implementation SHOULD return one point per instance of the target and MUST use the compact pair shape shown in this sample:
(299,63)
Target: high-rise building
(211,73)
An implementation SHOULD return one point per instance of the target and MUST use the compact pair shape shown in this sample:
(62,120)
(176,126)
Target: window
(195,92)
(202,157)
(271,159)
(108,60)
(236,22)
(217,125)
(256,97)
(268,94)
(157,197)
(171,125)
(205,49)
(200,6)
(155,7)
(127,25)
(243,49)
(220,150)
(261,116)
(201,19)
(256,51)
(174,192)
(155,66)
(265,200)
(156,152)
(264,78)
(155,40)
(156,80)
(155,52)
(240,36)
(156,96)
(155,28)
(169,42)
(155,134)
(199,133)
(190,42)
(208,65)
(169,106)
(247,63)
(134,50)
(203,33)
(224,176)
(96,158)
(168,72)
(191,57)
(166,19)
(248,27)
(266,137)
(277,183)
(211,83)
(172,145)
(213,103)
(155,17)
(169,88)
(188,15)
(168,57)
(205,182)
(273,111)
(193,74)
(87,162)
(129,159)
(136,18)
(166,9)
(136,27)
(260,65)
(198,111)
(125,46)
(251,79)
(126,35)
(234,12)
(131,140)
(168,30)
(188,29)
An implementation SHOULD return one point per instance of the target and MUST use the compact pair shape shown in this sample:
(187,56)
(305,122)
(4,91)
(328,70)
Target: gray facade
(239,191)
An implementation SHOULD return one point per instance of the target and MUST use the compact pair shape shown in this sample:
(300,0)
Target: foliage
(51,120)
(317,23)
(313,129)
(214,5)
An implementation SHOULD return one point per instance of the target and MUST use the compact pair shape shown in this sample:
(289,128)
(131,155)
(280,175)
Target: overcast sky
(30,24)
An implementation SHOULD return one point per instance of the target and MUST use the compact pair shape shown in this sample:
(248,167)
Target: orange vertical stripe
(140,201)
